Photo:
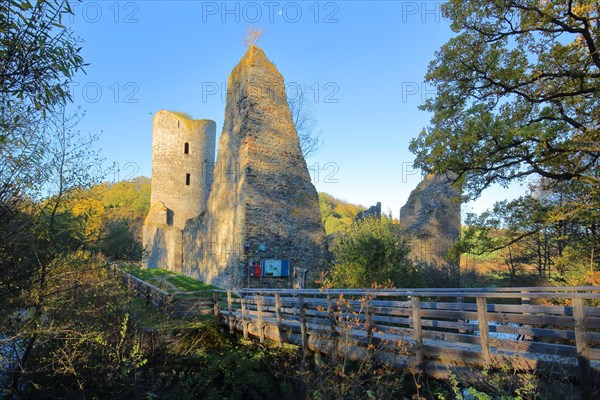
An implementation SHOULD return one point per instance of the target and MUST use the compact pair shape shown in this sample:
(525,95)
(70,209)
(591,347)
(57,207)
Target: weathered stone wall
(262,204)
(170,164)
(432,217)
(162,248)
(183,154)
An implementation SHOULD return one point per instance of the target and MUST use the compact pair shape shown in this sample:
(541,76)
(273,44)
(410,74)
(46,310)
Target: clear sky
(363,63)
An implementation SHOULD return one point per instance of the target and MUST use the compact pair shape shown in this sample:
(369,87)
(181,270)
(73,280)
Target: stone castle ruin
(373,212)
(250,219)
(431,216)
(183,153)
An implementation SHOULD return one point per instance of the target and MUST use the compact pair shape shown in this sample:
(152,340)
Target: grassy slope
(169,281)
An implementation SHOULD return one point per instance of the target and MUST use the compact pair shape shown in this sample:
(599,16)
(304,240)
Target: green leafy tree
(518,95)
(125,206)
(371,252)
(525,233)
(38,57)
(516,232)
(37,270)
(337,215)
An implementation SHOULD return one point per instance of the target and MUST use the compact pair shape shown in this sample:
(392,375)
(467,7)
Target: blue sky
(363,63)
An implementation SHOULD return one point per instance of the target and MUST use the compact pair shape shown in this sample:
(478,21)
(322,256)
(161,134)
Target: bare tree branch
(304,121)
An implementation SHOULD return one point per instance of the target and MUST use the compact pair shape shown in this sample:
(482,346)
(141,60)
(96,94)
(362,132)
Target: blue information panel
(275,267)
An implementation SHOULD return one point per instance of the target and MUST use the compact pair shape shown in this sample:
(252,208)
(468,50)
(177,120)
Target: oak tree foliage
(518,95)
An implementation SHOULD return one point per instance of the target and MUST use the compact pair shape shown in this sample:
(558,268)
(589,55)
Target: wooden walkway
(437,330)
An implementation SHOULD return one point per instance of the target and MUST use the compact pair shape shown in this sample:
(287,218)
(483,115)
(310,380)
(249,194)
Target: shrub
(372,251)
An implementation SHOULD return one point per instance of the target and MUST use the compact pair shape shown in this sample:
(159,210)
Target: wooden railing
(434,329)
(178,304)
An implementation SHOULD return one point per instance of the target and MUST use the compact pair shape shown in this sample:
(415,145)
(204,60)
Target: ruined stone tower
(183,154)
(262,226)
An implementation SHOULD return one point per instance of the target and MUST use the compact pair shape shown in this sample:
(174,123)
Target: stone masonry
(183,154)
(261,204)
(432,217)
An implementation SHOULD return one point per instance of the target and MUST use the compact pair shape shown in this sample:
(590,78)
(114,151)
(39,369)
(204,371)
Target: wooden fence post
(259,308)
(583,359)
(417,331)
(461,300)
(333,325)
(331,317)
(244,318)
(230,310)
(279,318)
(303,332)
(369,321)
(484,331)
(526,301)
(216,304)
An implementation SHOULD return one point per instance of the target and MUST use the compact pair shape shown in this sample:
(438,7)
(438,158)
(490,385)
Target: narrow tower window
(186,148)
(187,179)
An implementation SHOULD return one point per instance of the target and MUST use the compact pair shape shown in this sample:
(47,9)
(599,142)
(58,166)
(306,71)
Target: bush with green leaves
(373,251)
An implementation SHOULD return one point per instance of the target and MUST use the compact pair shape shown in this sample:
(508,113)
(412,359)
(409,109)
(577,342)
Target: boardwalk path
(439,330)
(554,330)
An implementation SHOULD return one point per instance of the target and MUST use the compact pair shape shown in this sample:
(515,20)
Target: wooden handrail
(524,289)
(558,294)
(456,331)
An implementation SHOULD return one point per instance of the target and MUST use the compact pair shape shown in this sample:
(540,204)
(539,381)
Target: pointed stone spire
(262,204)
